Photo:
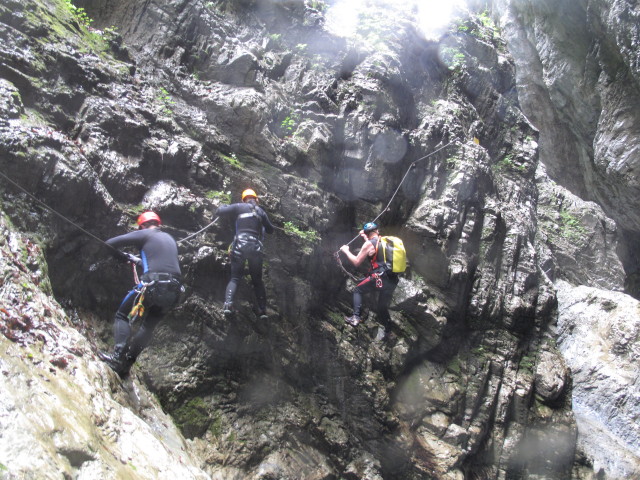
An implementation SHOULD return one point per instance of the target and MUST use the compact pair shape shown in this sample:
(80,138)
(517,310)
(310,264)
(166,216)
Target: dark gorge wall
(109,108)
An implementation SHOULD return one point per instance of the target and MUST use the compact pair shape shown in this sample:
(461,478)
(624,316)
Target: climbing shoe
(263,316)
(353,320)
(227,309)
(126,363)
(114,361)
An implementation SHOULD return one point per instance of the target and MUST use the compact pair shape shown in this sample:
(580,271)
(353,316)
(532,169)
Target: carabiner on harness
(137,311)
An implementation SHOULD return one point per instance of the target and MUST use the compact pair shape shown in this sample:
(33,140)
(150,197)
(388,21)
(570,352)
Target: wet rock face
(62,413)
(607,324)
(578,83)
(185,105)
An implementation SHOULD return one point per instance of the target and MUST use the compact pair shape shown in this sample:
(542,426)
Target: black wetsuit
(161,270)
(251,222)
(378,279)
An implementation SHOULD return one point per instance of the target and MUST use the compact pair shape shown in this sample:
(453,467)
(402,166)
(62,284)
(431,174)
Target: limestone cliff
(110,107)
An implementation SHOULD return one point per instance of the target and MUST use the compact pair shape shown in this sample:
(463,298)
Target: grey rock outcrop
(187,103)
(599,336)
(579,84)
(62,413)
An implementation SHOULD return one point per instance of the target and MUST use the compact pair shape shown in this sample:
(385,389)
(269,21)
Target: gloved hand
(133,259)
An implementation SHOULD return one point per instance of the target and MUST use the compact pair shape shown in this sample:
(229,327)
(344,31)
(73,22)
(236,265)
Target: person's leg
(389,285)
(365,286)
(255,270)
(237,268)
(142,338)
(121,332)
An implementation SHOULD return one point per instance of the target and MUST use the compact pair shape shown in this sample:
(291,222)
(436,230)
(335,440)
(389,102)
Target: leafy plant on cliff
(453,58)
(224,197)
(231,159)
(164,98)
(490,30)
(318,5)
(79,13)
(288,125)
(308,236)
(570,226)
(509,163)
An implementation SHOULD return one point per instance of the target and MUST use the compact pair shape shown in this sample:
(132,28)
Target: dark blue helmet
(369,227)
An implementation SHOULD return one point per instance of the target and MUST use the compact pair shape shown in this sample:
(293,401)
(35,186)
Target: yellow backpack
(394,255)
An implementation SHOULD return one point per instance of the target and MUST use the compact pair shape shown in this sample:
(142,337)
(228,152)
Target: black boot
(127,363)
(115,360)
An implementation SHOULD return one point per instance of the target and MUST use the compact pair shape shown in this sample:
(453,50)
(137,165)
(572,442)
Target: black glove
(133,259)
(128,258)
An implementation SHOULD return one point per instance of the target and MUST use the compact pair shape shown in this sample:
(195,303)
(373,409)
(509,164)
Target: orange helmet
(249,193)
(149,217)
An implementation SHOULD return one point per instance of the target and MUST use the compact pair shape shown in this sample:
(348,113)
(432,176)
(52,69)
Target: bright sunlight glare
(347,18)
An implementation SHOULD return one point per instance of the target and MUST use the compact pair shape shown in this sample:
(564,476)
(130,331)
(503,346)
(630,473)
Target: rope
(336,255)
(40,202)
(413,164)
(56,212)
(386,208)
(199,231)
(136,279)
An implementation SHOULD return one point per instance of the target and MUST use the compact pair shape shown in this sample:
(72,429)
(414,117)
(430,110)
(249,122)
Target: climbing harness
(138,311)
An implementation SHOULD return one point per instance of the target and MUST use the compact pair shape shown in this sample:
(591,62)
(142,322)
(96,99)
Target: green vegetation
(135,210)
(453,58)
(164,98)
(275,40)
(193,417)
(454,366)
(301,47)
(224,197)
(216,425)
(288,125)
(488,23)
(570,226)
(79,13)
(309,236)
(317,5)
(482,27)
(527,363)
(232,159)
(508,163)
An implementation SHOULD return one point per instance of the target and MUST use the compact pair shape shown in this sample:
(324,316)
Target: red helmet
(149,217)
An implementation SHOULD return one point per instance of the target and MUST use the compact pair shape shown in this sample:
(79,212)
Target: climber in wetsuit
(251,221)
(161,280)
(378,278)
